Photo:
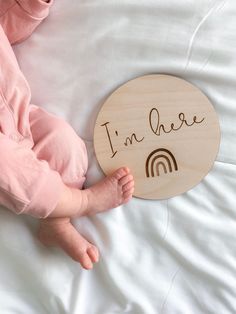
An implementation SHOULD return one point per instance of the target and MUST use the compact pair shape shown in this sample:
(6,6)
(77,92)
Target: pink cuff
(47,196)
(36,8)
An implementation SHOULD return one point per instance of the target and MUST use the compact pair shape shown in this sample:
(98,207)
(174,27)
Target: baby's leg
(112,191)
(56,142)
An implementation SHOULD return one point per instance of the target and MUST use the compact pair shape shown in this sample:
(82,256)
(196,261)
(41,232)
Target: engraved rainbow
(160,158)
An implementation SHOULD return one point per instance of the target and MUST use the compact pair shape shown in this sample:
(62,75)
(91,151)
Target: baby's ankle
(54,221)
(81,201)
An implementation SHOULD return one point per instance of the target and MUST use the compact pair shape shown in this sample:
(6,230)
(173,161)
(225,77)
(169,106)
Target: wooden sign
(164,129)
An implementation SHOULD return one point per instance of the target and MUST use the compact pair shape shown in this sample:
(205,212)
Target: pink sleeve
(19,18)
(27,185)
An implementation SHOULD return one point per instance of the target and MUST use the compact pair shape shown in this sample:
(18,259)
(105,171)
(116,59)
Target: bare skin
(112,191)
(60,232)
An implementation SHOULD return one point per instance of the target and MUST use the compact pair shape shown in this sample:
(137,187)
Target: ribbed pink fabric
(38,152)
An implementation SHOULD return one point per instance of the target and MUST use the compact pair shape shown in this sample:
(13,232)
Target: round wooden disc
(161,127)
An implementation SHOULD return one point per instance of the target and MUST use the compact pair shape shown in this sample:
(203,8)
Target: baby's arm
(20,18)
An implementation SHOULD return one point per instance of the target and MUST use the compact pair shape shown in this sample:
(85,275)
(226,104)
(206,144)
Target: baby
(43,162)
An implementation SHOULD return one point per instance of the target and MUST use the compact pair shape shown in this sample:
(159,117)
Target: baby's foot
(112,191)
(60,232)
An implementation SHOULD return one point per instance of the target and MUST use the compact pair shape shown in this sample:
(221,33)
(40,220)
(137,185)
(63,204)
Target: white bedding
(176,256)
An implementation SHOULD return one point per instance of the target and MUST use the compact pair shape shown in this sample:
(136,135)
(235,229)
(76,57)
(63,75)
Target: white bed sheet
(176,256)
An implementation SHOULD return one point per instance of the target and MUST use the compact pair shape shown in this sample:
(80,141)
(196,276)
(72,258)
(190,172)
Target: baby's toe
(121,172)
(124,180)
(86,262)
(128,194)
(127,199)
(128,186)
(93,254)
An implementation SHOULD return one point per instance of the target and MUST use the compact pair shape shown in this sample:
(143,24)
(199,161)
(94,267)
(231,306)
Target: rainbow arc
(160,160)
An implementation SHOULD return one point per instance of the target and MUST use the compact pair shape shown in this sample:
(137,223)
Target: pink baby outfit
(38,151)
